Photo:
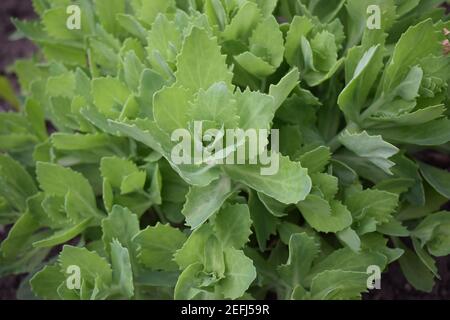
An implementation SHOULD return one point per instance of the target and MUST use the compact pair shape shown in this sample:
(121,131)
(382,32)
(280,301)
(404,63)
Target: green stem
(335,144)
(374,107)
(161,216)
(263,85)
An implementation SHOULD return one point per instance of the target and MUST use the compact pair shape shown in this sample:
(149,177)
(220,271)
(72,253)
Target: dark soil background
(393,283)
(12,50)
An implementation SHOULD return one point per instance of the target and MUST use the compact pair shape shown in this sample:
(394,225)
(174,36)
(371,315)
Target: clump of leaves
(352,105)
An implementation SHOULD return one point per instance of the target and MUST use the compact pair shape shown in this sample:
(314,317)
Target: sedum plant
(87,160)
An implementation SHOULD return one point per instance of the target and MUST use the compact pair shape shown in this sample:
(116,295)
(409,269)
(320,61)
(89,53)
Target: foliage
(352,106)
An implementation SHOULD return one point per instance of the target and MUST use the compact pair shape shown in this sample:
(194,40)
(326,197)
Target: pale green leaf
(158,245)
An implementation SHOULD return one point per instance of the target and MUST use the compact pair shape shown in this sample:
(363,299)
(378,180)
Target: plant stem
(160,215)
(335,144)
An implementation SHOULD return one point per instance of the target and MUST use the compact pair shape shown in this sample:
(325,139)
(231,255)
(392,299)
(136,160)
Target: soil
(13,50)
(393,284)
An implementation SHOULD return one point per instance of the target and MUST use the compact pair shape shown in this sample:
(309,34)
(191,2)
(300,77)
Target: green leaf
(316,160)
(64,235)
(255,110)
(158,278)
(16,185)
(425,258)
(109,94)
(54,21)
(214,261)
(283,89)
(232,225)
(325,51)
(308,56)
(150,82)
(200,63)
(436,132)
(122,225)
(107,11)
(415,271)
(432,232)
(36,117)
(326,184)
(300,293)
(7,93)
(132,25)
(202,202)
(239,274)
(133,182)
(70,142)
(417,42)
(393,228)
(338,285)
(255,65)
(186,287)
(19,237)
(171,109)
(303,250)
(90,263)
(289,184)
(45,283)
(147,132)
(61,86)
(101,109)
(193,249)
(372,204)
(133,69)
(437,178)
(59,181)
(122,174)
(149,10)
(350,238)
(267,6)
(409,88)
(352,98)
(158,245)
(358,16)
(325,216)
(243,23)
(264,222)
(374,148)
(418,117)
(326,10)
(347,260)
(395,185)
(266,42)
(299,27)
(376,242)
(275,207)
(165,40)
(122,275)
(215,104)
(216,13)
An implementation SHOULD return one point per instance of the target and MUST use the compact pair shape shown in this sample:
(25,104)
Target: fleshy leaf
(289,185)
(200,63)
(232,225)
(374,148)
(158,245)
